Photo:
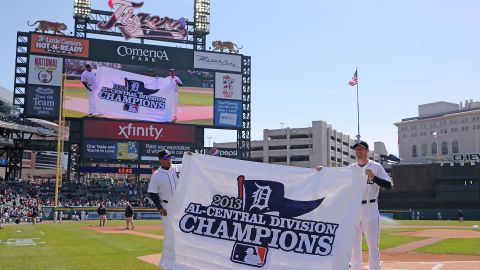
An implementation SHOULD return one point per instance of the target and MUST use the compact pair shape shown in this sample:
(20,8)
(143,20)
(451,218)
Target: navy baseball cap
(360,143)
(163,153)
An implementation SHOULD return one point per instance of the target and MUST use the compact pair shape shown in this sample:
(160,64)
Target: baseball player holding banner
(368,222)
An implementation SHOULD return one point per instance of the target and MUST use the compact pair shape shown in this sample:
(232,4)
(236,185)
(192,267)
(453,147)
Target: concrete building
(442,131)
(307,147)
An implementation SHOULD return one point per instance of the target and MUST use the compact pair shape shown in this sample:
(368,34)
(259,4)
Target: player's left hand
(369,173)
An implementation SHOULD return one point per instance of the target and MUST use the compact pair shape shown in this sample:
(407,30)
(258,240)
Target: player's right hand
(163,212)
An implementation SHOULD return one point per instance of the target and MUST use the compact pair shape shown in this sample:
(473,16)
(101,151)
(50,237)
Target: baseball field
(417,245)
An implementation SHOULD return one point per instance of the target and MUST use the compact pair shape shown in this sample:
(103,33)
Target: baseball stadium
(62,158)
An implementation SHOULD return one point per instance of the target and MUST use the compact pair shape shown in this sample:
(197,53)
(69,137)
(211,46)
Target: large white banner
(232,214)
(121,94)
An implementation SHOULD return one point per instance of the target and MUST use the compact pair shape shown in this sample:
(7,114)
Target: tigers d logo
(259,218)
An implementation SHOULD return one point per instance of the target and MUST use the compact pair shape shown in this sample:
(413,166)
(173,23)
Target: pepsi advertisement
(219,152)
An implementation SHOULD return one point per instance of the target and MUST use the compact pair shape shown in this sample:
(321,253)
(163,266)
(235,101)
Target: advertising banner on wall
(59,45)
(110,150)
(228,86)
(217,61)
(228,113)
(41,145)
(149,151)
(45,70)
(137,131)
(219,152)
(143,54)
(42,101)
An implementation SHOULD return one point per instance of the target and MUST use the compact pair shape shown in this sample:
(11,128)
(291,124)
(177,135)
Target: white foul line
(42,233)
(438,266)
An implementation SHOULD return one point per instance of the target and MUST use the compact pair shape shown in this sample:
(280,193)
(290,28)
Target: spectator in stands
(129,215)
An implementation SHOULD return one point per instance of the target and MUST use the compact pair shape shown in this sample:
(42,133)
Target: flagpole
(358,108)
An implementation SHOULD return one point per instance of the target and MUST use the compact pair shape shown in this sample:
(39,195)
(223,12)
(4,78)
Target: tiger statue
(225,45)
(55,27)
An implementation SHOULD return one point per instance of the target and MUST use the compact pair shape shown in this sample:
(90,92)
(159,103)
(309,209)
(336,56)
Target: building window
(444,148)
(434,149)
(455,147)
(27,155)
(424,150)
(332,158)
(414,151)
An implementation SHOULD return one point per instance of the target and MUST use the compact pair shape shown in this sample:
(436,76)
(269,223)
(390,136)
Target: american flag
(354,80)
(434,134)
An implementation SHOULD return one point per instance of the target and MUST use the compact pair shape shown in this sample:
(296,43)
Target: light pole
(281,125)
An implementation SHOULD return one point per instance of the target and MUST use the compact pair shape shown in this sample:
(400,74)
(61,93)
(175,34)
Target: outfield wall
(115,213)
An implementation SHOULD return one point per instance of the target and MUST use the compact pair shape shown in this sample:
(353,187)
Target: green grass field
(70,245)
(453,246)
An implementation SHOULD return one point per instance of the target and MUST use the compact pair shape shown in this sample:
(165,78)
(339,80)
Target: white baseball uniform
(368,219)
(88,77)
(176,80)
(164,182)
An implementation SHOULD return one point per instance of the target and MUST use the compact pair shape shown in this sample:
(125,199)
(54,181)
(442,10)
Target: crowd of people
(23,198)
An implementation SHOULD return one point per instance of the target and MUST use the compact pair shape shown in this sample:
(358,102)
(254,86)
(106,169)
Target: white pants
(174,106)
(369,224)
(91,103)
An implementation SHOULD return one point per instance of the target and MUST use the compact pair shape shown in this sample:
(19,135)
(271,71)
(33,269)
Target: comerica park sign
(142,25)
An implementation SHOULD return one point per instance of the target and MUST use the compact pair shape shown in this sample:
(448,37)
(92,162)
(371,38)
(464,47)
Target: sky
(304,53)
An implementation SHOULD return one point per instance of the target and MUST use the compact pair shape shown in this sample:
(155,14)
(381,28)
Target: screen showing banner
(137,131)
(42,101)
(110,150)
(45,70)
(149,151)
(124,91)
(233,214)
(228,113)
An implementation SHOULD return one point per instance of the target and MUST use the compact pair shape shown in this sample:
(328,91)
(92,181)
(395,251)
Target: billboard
(130,81)
(228,86)
(149,150)
(59,45)
(45,70)
(110,150)
(137,131)
(228,113)
(44,101)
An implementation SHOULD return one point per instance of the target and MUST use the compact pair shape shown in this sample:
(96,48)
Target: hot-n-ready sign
(59,45)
